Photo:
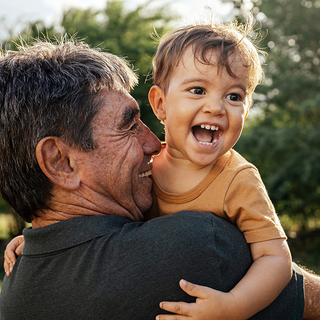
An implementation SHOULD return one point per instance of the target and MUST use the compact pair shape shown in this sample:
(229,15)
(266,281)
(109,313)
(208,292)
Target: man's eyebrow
(128,116)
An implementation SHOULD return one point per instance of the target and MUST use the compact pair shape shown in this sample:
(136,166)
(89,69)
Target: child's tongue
(202,134)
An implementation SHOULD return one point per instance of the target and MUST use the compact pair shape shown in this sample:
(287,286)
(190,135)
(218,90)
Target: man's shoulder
(199,228)
(183,225)
(182,222)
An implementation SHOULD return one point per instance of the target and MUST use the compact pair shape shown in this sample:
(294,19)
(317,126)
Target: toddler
(204,77)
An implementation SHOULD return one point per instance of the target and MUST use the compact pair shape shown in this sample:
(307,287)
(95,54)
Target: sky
(13,12)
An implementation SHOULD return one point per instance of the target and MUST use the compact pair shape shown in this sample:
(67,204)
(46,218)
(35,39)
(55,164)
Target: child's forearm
(264,281)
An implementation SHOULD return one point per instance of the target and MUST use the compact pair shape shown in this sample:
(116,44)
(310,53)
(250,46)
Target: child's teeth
(213,128)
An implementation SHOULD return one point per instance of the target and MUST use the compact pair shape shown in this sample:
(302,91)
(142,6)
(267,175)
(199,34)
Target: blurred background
(282,133)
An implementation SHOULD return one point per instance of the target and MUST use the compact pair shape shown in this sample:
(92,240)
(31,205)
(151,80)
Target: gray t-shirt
(107,267)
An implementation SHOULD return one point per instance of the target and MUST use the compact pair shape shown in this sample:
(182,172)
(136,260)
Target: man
(75,162)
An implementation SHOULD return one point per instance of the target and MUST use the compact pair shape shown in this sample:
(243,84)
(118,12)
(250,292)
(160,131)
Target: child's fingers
(18,251)
(10,255)
(183,309)
(171,317)
(194,290)
(14,247)
(7,265)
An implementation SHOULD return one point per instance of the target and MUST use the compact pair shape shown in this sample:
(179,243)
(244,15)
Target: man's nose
(151,144)
(214,106)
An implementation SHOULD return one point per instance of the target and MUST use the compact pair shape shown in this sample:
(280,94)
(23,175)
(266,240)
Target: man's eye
(233,97)
(197,90)
(135,126)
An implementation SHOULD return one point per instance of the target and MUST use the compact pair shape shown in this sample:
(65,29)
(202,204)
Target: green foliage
(283,141)
(32,31)
(305,249)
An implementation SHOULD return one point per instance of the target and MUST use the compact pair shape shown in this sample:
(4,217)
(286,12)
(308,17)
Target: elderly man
(75,162)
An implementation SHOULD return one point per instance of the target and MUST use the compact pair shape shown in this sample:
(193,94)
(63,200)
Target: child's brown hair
(226,38)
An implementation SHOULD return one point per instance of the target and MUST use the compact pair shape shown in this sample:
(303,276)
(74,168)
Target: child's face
(205,109)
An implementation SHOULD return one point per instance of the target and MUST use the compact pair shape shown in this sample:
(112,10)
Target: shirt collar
(69,233)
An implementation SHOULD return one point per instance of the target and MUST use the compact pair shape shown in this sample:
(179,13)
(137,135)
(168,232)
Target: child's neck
(176,175)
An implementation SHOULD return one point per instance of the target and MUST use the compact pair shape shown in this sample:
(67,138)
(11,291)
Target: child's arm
(13,249)
(266,278)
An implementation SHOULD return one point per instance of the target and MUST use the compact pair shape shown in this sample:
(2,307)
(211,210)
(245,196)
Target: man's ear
(156,99)
(56,162)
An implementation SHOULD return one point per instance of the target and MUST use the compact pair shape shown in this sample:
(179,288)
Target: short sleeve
(248,205)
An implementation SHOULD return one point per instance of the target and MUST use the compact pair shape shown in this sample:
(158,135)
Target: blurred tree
(283,138)
(30,32)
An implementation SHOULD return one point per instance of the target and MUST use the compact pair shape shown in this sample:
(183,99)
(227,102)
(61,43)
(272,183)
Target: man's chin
(145,204)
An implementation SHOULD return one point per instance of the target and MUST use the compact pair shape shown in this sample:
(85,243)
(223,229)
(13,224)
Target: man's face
(118,169)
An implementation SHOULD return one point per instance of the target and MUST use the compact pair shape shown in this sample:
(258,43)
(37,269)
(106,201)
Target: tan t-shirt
(232,190)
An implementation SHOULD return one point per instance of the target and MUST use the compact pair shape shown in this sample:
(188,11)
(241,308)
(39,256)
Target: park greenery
(281,134)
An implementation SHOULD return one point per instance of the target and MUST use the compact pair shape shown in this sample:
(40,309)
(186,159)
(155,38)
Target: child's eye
(233,97)
(197,90)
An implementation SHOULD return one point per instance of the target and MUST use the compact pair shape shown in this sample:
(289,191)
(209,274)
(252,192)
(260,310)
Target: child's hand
(210,305)
(13,249)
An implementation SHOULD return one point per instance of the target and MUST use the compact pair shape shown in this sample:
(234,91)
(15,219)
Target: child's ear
(156,99)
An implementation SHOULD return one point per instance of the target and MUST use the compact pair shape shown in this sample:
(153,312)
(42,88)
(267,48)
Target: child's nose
(214,106)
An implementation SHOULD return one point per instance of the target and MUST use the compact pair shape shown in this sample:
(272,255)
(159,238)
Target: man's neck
(48,217)
(67,206)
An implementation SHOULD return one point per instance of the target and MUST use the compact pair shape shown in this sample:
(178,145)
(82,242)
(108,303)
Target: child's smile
(206,134)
